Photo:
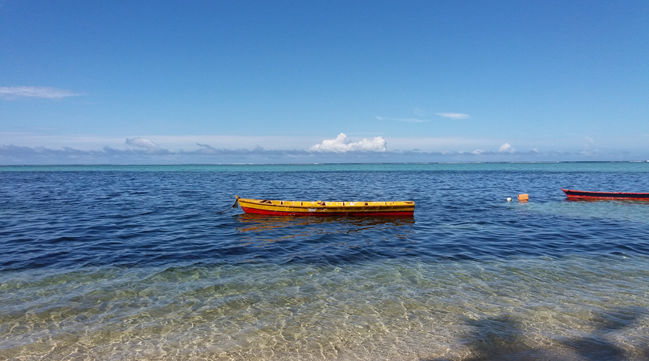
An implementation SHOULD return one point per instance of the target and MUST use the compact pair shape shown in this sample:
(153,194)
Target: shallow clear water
(135,263)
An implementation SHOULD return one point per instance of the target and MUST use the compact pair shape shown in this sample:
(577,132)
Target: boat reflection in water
(273,229)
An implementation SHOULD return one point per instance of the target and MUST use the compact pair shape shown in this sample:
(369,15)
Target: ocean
(150,263)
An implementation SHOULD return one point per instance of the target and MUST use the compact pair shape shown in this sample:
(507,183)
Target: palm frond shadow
(501,338)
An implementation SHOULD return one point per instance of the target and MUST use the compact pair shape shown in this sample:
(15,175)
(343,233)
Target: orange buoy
(523,197)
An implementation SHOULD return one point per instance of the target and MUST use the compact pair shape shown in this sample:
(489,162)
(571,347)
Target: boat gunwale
(365,213)
(621,193)
(324,206)
(577,194)
(316,208)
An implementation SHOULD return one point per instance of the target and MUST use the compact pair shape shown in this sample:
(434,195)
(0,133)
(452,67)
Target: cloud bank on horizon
(142,150)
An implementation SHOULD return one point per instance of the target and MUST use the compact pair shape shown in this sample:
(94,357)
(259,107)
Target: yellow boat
(320,208)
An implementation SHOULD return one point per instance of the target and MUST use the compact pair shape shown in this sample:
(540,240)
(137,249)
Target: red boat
(573,194)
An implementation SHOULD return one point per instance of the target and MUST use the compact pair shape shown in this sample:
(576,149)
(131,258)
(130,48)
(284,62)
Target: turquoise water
(133,262)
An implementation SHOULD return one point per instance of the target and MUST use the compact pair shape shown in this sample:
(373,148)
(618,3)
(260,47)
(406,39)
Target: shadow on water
(502,338)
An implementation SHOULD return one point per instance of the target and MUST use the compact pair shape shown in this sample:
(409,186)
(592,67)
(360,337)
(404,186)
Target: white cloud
(343,144)
(411,120)
(145,143)
(587,150)
(454,115)
(478,151)
(419,112)
(35,92)
(506,148)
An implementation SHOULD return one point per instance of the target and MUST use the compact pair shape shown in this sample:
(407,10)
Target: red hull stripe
(321,214)
(604,197)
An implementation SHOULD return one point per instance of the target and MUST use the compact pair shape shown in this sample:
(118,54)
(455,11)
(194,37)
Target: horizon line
(317,163)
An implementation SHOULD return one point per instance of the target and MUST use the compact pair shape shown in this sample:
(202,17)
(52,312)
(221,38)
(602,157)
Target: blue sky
(279,81)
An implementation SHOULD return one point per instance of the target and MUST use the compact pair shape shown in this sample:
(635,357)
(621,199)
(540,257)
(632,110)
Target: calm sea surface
(135,263)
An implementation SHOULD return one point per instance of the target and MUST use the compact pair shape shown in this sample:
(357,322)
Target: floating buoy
(509,199)
(523,197)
